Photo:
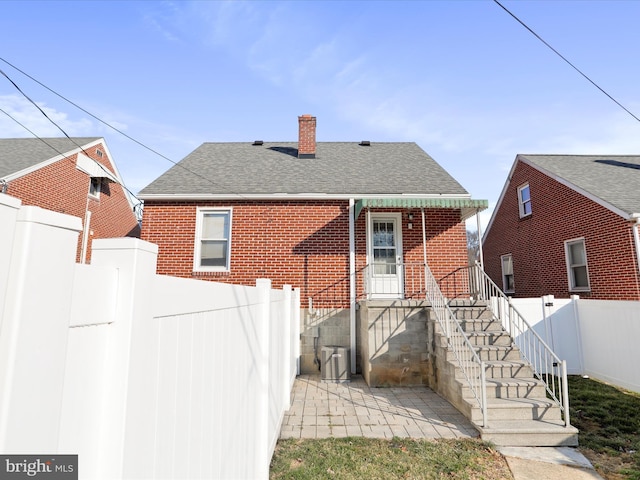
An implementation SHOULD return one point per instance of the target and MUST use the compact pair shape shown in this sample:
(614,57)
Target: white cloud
(21,118)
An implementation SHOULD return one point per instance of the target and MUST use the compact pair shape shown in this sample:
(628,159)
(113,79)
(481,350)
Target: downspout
(636,238)
(424,238)
(352,283)
(480,252)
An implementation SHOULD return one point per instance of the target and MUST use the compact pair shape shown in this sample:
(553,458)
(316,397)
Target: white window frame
(570,266)
(95,193)
(200,213)
(504,274)
(522,202)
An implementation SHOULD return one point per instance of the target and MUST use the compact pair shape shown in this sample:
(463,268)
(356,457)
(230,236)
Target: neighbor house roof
(340,169)
(21,154)
(611,180)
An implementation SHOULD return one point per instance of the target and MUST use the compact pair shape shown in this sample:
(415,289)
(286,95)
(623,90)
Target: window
(508,284)
(524,200)
(95,186)
(213,240)
(577,265)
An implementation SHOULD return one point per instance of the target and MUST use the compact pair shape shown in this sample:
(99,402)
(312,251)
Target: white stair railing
(546,365)
(472,367)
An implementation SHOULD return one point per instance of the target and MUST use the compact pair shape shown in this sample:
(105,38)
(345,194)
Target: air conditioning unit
(335,365)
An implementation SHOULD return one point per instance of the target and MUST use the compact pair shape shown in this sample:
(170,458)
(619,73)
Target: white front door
(384,252)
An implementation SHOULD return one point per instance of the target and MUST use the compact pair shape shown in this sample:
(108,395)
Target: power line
(177,164)
(567,61)
(59,128)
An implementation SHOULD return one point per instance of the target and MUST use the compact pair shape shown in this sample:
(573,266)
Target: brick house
(345,222)
(567,225)
(75,176)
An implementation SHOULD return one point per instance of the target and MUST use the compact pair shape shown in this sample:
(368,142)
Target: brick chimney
(306,136)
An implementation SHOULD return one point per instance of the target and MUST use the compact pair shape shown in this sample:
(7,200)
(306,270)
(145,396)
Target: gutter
(294,196)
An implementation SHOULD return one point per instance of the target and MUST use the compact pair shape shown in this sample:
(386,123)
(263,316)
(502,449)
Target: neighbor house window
(577,265)
(524,200)
(95,186)
(507,273)
(213,240)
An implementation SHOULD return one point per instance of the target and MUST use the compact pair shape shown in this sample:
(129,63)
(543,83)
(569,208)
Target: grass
(609,422)
(355,458)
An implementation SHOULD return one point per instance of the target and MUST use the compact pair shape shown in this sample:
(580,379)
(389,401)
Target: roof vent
(365,143)
(258,142)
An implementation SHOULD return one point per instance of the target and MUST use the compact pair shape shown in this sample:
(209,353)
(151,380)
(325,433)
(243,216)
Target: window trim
(522,202)
(504,283)
(570,276)
(200,213)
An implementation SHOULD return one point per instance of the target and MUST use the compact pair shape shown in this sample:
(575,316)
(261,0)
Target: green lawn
(357,458)
(609,422)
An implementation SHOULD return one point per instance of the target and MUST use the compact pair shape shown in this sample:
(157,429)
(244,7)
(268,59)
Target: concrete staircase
(518,410)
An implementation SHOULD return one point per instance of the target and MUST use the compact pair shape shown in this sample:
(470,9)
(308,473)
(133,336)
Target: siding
(537,242)
(303,243)
(63,188)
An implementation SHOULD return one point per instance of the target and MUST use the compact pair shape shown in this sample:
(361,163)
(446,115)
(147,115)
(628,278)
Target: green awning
(467,206)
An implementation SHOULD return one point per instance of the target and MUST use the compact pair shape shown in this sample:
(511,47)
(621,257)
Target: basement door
(384,251)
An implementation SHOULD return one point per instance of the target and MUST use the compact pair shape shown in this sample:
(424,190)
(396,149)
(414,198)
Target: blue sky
(462,79)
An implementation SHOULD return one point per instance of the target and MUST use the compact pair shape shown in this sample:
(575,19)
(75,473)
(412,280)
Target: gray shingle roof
(615,179)
(340,168)
(16,154)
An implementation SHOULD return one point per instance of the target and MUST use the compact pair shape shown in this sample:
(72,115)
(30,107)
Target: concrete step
(489,338)
(488,353)
(486,325)
(472,313)
(504,369)
(529,433)
(514,409)
(498,352)
(507,388)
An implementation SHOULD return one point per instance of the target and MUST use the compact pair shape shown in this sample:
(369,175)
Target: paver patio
(321,410)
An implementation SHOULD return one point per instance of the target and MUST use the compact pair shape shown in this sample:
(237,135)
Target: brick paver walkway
(320,410)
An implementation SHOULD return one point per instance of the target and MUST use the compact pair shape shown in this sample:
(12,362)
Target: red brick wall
(537,241)
(304,244)
(61,187)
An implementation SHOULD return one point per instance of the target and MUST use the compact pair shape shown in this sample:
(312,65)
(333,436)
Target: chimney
(307,136)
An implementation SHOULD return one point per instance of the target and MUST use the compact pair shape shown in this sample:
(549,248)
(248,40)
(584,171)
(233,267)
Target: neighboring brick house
(565,225)
(313,215)
(75,176)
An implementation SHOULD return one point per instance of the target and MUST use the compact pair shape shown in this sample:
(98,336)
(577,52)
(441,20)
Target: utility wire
(114,128)
(567,61)
(57,126)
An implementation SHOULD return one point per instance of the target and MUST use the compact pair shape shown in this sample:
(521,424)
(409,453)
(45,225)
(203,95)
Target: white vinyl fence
(598,338)
(141,375)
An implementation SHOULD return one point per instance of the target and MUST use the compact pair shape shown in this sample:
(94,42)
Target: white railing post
(565,393)
(483,393)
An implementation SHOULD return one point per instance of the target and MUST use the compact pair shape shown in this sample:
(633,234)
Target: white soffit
(93,168)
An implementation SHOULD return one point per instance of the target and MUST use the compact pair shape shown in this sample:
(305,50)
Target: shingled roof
(17,154)
(613,179)
(339,169)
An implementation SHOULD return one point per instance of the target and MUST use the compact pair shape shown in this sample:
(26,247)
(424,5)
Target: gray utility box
(335,365)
